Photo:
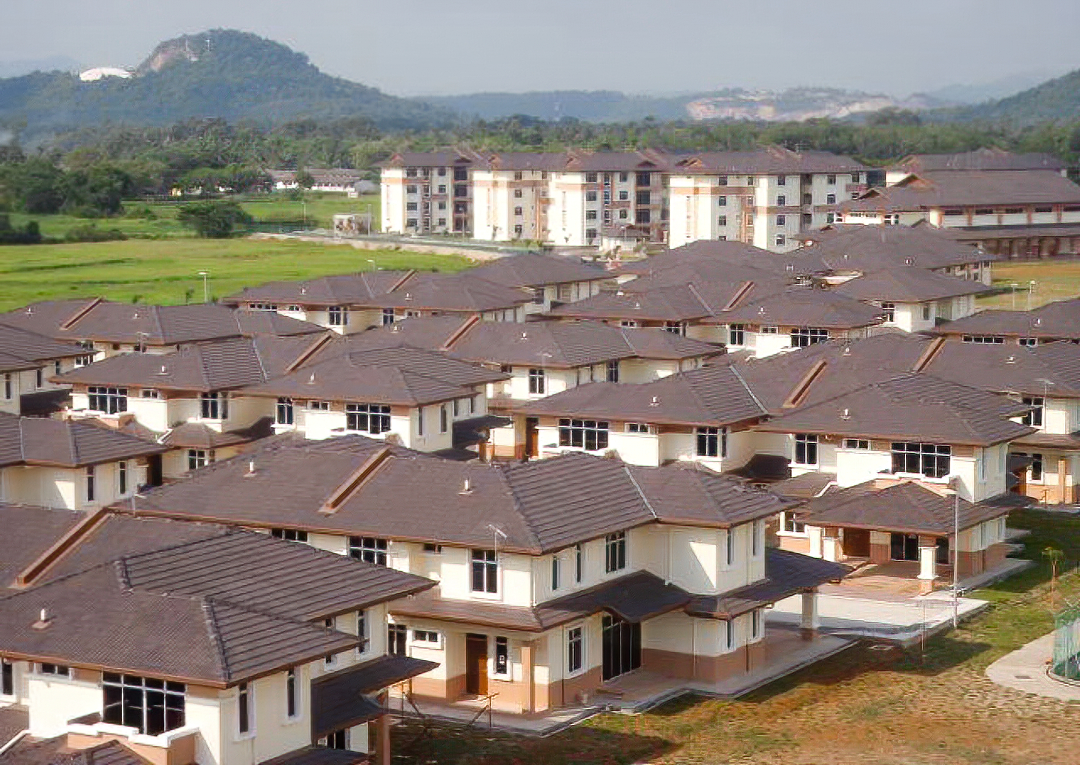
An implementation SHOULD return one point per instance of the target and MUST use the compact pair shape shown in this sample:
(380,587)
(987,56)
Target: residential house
(107,328)
(985,159)
(417,397)
(764,197)
(555,577)
(1059,320)
(337,180)
(237,648)
(188,400)
(551,279)
(71,465)
(702,416)
(885,520)
(914,299)
(27,362)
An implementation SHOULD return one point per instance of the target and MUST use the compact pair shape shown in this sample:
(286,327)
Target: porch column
(927,564)
(830,544)
(382,746)
(527,676)
(810,622)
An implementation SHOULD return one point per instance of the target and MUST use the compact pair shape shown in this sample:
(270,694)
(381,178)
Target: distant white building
(99,73)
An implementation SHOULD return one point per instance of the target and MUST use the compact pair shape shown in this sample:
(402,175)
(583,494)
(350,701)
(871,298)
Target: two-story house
(914,299)
(1059,320)
(72,464)
(107,328)
(146,640)
(27,363)
(555,577)
(703,416)
(551,280)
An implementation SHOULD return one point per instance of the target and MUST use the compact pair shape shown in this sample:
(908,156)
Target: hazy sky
(410,47)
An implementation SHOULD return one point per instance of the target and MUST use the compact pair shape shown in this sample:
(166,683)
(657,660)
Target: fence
(1066,660)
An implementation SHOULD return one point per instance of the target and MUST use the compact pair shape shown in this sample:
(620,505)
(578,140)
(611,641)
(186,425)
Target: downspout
(14,740)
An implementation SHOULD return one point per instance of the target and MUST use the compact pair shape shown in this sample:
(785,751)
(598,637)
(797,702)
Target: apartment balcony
(174,747)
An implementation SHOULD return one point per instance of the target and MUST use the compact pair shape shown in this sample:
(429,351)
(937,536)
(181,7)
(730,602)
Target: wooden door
(857,543)
(532,437)
(476,658)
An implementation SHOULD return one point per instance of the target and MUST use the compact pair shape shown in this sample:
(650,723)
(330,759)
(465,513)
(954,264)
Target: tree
(304,179)
(213,219)
(1055,556)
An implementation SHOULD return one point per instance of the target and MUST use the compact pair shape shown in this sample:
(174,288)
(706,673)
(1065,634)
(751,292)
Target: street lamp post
(205,285)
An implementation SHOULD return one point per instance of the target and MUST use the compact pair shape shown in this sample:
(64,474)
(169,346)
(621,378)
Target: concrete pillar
(808,626)
(527,673)
(830,544)
(927,564)
(382,746)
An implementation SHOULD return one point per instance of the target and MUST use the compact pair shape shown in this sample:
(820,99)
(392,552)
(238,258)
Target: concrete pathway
(1025,670)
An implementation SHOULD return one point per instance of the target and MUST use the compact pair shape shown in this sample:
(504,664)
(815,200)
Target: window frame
(806,445)
(483,572)
(376,417)
(615,552)
(575,650)
(587,435)
(369,549)
(711,442)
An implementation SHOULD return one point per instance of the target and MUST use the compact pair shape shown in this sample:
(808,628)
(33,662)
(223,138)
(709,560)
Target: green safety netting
(1066,661)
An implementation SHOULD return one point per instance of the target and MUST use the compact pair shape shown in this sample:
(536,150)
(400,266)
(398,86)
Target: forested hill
(223,73)
(1057,99)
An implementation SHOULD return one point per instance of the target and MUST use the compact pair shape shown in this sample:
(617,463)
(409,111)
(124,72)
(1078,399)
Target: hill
(1056,99)
(222,73)
(795,104)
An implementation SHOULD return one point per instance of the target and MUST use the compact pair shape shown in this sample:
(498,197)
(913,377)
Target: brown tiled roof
(461,292)
(804,307)
(22,349)
(771,159)
(986,158)
(107,321)
(670,303)
(960,188)
(540,506)
(786,573)
(341,289)
(319,755)
(909,285)
(910,407)
(55,751)
(705,254)
(432,158)
(196,435)
(523,160)
(66,443)
(536,269)
(711,395)
(1049,369)
(1060,319)
(37,528)
(906,507)
(867,249)
(339,700)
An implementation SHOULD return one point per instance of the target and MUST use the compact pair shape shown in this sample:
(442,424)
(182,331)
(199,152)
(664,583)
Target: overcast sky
(411,47)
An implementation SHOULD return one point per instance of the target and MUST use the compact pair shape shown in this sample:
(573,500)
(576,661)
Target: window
(758,530)
(319,406)
(151,706)
(518,211)
(736,334)
(106,400)
(555,573)
(613,371)
(929,460)
(367,418)
(149,393)
(328,660)
(770,330)
(420,421)
(574,652)
(39,377)
(730,633)
(56,670)
(889,309)
(722,220)
(579,563)
(830,179)
(615,552)
(1036,467)
(927,311)
(7,678)
(243,709)
(387,316)
(806,445)
(730,546)
(292,535)
(712,442)
(8,392)
(803,337)
(485,571)
(590,177)
(284,411)
(643,198)
(590,215)
(292,695)
(755,624)
(339,316)
(860,444)
(637,427)
(396,635)
(1034,418)
(781,220)
(83,361)
(517,193)
(537,383)
(122,477)
(370,549)
(214,406)
(362,631)
(590,196)
(429,637)
(502,656)
(1027,342)
(830,199)
(196,458)
(590,435)
(790,525)
(91,483)
(722,180)
(984,339)
(411,206)
(444,418)
(780,240)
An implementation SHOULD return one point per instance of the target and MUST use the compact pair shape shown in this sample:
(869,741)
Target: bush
(29,234)
(91,233)
(213,219)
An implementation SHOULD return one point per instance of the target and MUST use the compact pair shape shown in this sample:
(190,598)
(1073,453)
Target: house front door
(532,437)
(621,647)
(856,543)
(904,547)
(476,659)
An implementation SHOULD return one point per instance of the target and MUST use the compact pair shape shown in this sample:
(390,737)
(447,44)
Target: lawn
(317,209)
(862,706)
(166,270)
(1054,280)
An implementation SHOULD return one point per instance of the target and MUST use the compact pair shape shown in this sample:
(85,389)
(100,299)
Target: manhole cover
(1022,677)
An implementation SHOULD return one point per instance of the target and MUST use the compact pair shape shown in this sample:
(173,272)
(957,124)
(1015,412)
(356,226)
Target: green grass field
(166,271)
(318,209)
(1054,280)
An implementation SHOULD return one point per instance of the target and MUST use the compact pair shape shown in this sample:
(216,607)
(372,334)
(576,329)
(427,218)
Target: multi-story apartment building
(765,197)
(511,196)
(428,193)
